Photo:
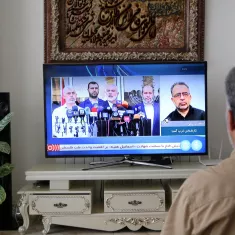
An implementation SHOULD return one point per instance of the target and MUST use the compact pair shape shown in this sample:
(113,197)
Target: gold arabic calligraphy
(115,23)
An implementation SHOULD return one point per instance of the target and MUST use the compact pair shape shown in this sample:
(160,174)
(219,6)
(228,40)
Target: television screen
(128,109)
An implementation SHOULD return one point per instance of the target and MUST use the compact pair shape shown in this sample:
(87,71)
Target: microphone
(125,104)
(114,108)
(121,111)
(100,109)
(142,115)
(87,112)
(105,114)
(121,131)
(109,111)
(126,119)
(69,114)
(122,108)
(136,120)
(115,116)
(122,104)
(81,114)
(118,103)
(94,130)
(130,113)
(56,119)
(65,128)
(93,113)
(75,113)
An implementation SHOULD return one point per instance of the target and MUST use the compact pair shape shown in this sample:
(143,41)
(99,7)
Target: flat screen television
(125,109)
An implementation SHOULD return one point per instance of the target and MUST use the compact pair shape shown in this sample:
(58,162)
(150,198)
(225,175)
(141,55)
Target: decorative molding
(135,203)
(86,204)
(144,221)
(47,224)
(60,205)
(108,202)
(23,200)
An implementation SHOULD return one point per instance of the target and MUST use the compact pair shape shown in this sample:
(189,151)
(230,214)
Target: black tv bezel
(157,155)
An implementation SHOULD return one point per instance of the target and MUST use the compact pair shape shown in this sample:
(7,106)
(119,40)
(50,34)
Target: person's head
(70,95)
(181,96)
(93,90)
(111,92)
(230,92)
(148,94)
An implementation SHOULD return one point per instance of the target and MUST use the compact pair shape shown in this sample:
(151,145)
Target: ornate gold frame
(55,26)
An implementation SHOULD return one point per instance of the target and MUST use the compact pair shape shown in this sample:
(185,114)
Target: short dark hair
(230,89)
(93,84)
(178,83)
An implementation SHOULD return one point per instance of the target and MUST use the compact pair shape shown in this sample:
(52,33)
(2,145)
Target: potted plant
(5,168)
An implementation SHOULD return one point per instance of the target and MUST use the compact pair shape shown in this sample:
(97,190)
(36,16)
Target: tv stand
(132,197)
(125,160)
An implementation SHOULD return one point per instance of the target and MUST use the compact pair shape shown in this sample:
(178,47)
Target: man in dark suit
(93,100)
(181,98)
(149,108)
(112,93)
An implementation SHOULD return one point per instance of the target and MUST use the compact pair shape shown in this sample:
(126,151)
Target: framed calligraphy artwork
(124,30)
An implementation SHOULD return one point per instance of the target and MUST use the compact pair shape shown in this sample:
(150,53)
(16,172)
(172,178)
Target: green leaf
(5,147)
(6,169)
(5,120)
(2,195)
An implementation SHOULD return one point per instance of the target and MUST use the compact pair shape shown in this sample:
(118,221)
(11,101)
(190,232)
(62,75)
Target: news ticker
(184,145)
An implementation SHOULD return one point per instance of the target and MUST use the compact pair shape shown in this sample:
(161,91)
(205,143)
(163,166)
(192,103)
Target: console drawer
(60,204)
(139,198)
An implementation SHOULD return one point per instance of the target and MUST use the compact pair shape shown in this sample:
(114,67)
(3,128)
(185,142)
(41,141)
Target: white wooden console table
(64,200)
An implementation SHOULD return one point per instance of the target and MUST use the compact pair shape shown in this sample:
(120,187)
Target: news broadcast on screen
(125,109)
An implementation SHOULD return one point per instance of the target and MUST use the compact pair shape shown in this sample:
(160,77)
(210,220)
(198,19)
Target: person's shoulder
(198,110)
(170,116)
(105,103)
(58,109)
(211,183)
(198,113)
(139,104)
(83,103)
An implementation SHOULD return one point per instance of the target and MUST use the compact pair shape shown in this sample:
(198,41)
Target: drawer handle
(135,203)
(60,205)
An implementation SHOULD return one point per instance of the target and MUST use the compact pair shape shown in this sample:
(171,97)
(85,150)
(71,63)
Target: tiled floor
(36,229)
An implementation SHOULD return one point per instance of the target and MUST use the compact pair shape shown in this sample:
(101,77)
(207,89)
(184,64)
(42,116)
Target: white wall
(21,59)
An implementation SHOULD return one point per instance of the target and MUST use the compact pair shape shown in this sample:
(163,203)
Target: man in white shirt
(65,119)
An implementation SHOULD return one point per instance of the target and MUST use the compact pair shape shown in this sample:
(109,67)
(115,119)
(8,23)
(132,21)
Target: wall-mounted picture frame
(123,30)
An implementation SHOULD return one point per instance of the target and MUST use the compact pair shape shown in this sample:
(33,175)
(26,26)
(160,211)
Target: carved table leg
(47,224)
(23,208)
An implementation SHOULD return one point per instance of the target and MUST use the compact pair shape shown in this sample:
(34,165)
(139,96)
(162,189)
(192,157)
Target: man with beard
(149,109)
(112,93)
(181,98)
(62,118)
(93,100)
